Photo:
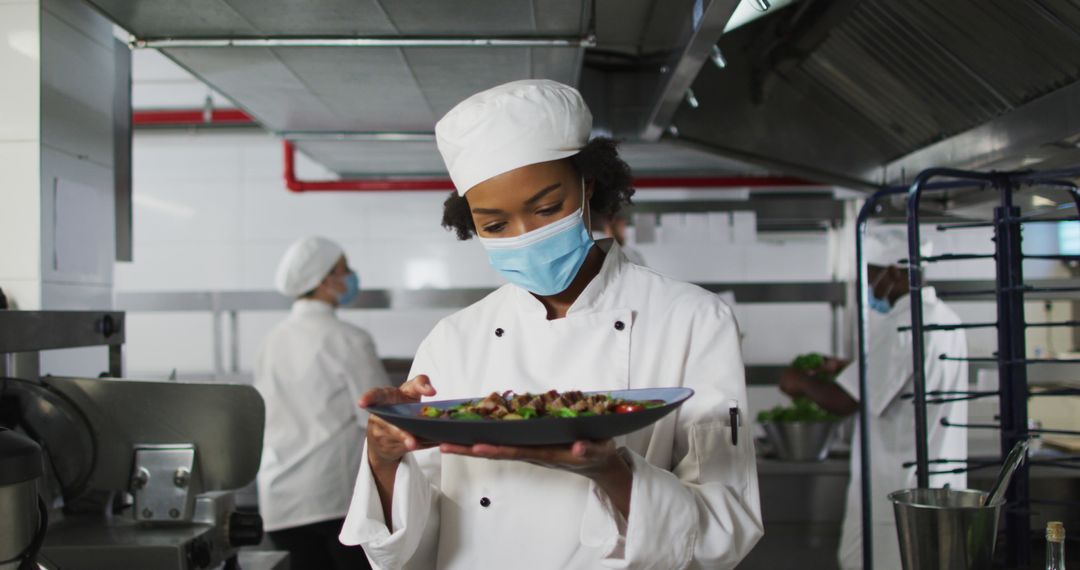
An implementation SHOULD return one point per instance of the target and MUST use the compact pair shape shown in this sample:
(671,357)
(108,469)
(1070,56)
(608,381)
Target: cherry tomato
(628,408)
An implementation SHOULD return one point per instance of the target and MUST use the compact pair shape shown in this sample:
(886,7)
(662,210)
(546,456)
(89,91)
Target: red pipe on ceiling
(190,117)
(236,117)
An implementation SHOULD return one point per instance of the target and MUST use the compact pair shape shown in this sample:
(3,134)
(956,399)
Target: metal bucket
(945,529)
(801,441)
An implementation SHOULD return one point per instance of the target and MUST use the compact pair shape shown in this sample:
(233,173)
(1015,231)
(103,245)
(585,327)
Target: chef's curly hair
(599,161)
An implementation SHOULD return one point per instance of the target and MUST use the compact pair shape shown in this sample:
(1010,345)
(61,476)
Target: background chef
(575,315)
(889,375)
(309,369)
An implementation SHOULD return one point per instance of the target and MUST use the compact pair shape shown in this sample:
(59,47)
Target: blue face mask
(352,289)
(878,304)
(545,260)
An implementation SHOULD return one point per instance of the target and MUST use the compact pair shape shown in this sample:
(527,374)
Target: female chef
(575,315)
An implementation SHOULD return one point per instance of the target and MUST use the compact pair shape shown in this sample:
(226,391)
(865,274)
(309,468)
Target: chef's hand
(387,444)
(792,381)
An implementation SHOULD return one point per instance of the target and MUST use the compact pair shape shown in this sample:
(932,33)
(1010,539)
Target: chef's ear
(590,185)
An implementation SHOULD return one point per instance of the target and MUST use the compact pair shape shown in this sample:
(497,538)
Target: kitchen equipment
(139,474)
(945,528)
(801,441)
(1015,458)
(22,521)
(539,431)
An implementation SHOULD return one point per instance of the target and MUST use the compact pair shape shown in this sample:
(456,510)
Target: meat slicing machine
(137,474)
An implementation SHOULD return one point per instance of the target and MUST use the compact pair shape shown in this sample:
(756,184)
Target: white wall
(211,212)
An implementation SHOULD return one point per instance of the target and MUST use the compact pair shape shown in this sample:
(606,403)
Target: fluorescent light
(749,10)
(717,57)
(691,100)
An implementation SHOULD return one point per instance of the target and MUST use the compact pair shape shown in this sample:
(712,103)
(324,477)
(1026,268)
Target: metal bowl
(801,441)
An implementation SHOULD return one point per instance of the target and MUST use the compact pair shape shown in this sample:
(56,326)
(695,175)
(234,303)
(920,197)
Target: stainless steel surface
(87,542)
(1044,130)
(1016,456)
(945,287)
(62,431)
(225,301)
(342,18)
(849,87)
(945,528)
(360,154)
(224,422)
(801,441)
(25,365)
(162,483)
(24,331)
(802,507)
(122,150)
(372,42)
(18,519)
(704,26)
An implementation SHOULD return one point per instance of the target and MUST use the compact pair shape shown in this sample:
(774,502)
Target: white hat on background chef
(884,247)
(513,125)
(305,264)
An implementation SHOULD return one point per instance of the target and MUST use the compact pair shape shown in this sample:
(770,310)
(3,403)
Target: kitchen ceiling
(320,97)
(850,92)
(856,89)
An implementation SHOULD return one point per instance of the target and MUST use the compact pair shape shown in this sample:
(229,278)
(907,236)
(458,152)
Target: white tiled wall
(211,212)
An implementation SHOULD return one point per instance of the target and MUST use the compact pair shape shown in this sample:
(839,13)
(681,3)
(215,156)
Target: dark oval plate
(540,431)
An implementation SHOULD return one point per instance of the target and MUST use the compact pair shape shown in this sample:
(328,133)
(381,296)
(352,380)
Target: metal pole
(865,492)
(216,334)
(234,342)
(1012,372)
(915,281)
(116,360)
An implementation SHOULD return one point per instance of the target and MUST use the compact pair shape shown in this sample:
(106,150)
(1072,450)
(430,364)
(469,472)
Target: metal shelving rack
(1009,291)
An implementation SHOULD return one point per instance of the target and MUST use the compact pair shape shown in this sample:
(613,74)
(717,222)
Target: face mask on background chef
(521,124)
(884,249)
(316,268)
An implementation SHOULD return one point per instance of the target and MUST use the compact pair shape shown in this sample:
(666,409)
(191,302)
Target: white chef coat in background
(694,502)
(892,423)
(311,370)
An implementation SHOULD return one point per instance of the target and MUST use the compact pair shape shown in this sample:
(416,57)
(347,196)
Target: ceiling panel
(487,17)
(366,89)
(352,158)
(364,158)
(224,18)
(449,75)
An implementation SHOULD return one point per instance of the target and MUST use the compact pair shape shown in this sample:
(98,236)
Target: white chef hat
(510,126)
(884,247)
(305,264)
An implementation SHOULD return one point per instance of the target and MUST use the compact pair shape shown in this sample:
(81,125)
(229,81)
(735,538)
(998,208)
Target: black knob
(245,529)
(199,553)
(107,326)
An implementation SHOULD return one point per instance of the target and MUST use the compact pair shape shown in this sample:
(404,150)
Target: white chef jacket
(694,501)
(892,422)
(310,371)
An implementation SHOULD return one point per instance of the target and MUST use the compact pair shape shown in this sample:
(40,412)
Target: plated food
(561,417)
(550,404)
